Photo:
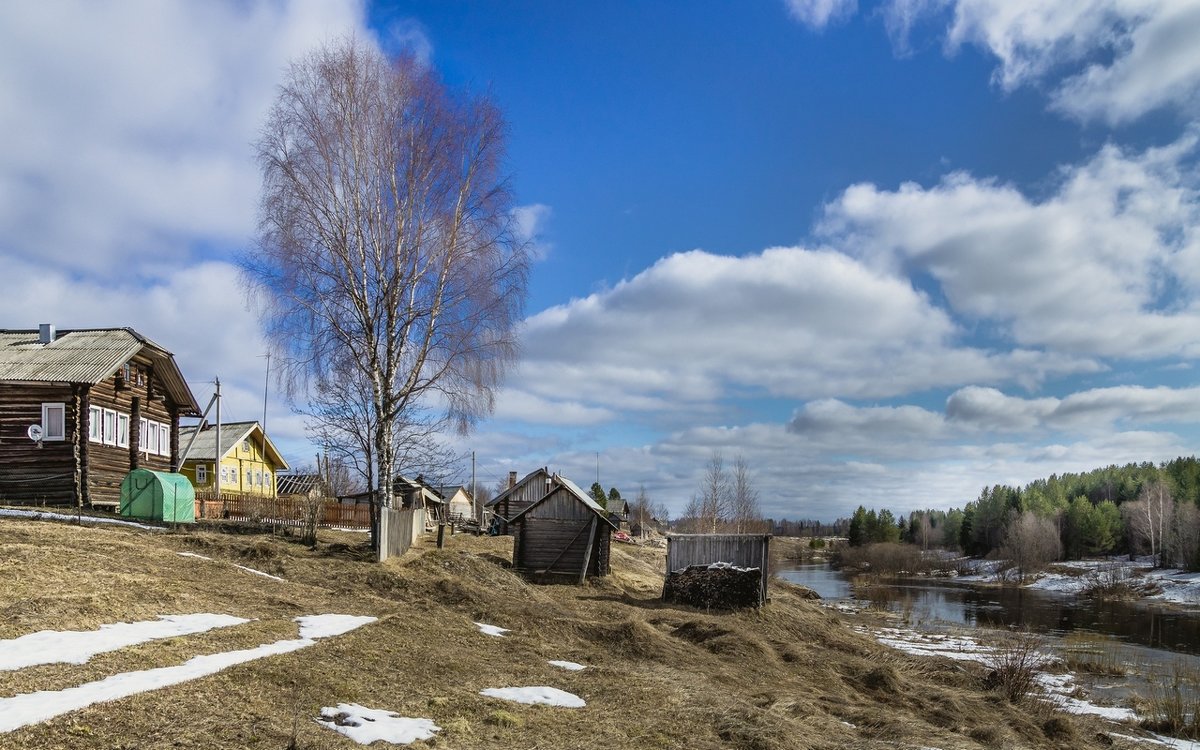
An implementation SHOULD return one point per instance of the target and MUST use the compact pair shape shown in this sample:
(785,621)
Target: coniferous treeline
(1139,508)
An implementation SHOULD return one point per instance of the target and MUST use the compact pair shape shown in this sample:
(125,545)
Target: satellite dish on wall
(35,433)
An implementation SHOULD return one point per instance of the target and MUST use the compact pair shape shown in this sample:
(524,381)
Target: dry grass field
(792,675)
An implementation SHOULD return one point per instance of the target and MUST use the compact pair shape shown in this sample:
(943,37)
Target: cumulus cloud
(817,14)
(1097,409)
(788,322)
(1113,60)
(128,125)
(1106,265)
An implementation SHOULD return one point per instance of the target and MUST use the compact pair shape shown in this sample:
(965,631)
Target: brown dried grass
(791,675)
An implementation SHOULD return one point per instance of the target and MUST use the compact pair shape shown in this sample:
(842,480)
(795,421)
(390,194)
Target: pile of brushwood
(716,586)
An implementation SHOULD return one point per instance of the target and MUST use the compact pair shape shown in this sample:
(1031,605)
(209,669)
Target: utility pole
(217,465)
(474,501)
(597,467)
(263,457)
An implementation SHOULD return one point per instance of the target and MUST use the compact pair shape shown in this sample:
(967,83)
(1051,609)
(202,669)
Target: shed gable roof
(566,484)
(88,356)
(525,480)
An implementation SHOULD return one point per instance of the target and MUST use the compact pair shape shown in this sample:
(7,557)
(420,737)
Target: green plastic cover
(158,496)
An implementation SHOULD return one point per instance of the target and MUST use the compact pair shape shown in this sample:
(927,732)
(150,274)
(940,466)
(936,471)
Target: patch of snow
(257,572)
(327,626)
(239,567)
(34,708)
(366,725)
(569,665)
(729,566)
(195,555)
(78,646)
(41,515)
(962,648)
(492,630)
(540,695)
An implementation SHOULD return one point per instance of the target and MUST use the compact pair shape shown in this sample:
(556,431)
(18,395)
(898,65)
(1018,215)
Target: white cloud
(529,224)
(1094,410)
(817,14)
(696,328)
(1113,60)
(1106,265)
(128,125)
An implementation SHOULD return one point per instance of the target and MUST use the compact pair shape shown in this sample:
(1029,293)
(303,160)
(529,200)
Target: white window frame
(164,439)
(201,473)
(233,477)
(150,437)
(245,446)
(95,424)
(122,430)
(110,427)
(61,408)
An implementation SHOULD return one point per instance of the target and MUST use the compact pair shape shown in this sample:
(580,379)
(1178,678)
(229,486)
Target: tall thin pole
(269,476)
(597,467)
(217,465)
(478,507)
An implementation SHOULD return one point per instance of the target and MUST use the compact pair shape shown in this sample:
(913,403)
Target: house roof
(232,433)
(528,477)
(296,484)
(428,493)
(580,495)
(88,356)
(450,490)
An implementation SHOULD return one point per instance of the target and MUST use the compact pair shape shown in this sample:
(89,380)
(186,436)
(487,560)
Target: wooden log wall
(29,474)
(742,550)
(107,465)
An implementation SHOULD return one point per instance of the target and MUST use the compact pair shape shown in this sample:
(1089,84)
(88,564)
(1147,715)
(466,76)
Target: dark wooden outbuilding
(564,535)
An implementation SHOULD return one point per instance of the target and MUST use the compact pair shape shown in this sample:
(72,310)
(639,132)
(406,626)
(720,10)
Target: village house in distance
(79,409)
(249,460)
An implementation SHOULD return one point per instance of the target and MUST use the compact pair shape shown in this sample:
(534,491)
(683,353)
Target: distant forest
(1136,508)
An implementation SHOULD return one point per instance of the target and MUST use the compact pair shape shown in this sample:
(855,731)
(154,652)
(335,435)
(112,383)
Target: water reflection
(928,603)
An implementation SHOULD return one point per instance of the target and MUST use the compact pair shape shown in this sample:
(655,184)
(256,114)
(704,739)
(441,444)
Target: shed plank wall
(522,497)
(554,538)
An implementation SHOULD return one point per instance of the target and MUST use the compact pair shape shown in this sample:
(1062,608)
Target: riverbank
(792,675)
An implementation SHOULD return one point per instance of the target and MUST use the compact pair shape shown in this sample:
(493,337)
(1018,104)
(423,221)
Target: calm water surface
(928,604)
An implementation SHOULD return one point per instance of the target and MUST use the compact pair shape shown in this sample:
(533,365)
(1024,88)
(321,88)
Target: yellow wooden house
(249,461)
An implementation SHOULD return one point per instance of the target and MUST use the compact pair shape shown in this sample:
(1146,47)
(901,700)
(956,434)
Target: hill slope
(792,675)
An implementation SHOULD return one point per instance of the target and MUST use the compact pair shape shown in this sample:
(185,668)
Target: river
(931,604)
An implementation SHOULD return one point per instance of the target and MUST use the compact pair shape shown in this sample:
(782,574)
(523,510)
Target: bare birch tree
(386,244)
(1148,517)
(745,511)
(715,497)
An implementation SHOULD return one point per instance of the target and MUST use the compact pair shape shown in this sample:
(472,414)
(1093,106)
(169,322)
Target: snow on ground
(1058,687)
(41,515)
(366,725)
(34,708)
(78,646)
(1178,587)
(493,630)
(239,567)
(541,695)
(569,665)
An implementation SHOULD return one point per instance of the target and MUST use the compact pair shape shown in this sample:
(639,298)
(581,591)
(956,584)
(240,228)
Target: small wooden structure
(563,535)
(739,550)
(519,495)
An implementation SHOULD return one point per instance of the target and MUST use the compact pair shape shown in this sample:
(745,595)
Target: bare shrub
(1173,704)
(884,559)
(1015,664)
(1030,544)
(1113,583)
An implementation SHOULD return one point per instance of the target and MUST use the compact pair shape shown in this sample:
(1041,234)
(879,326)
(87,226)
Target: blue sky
(888,252)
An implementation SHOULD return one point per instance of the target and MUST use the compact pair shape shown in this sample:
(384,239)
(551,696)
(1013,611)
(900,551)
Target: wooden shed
(564,535)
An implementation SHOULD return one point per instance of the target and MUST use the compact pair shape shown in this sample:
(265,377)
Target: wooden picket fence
(280,511)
